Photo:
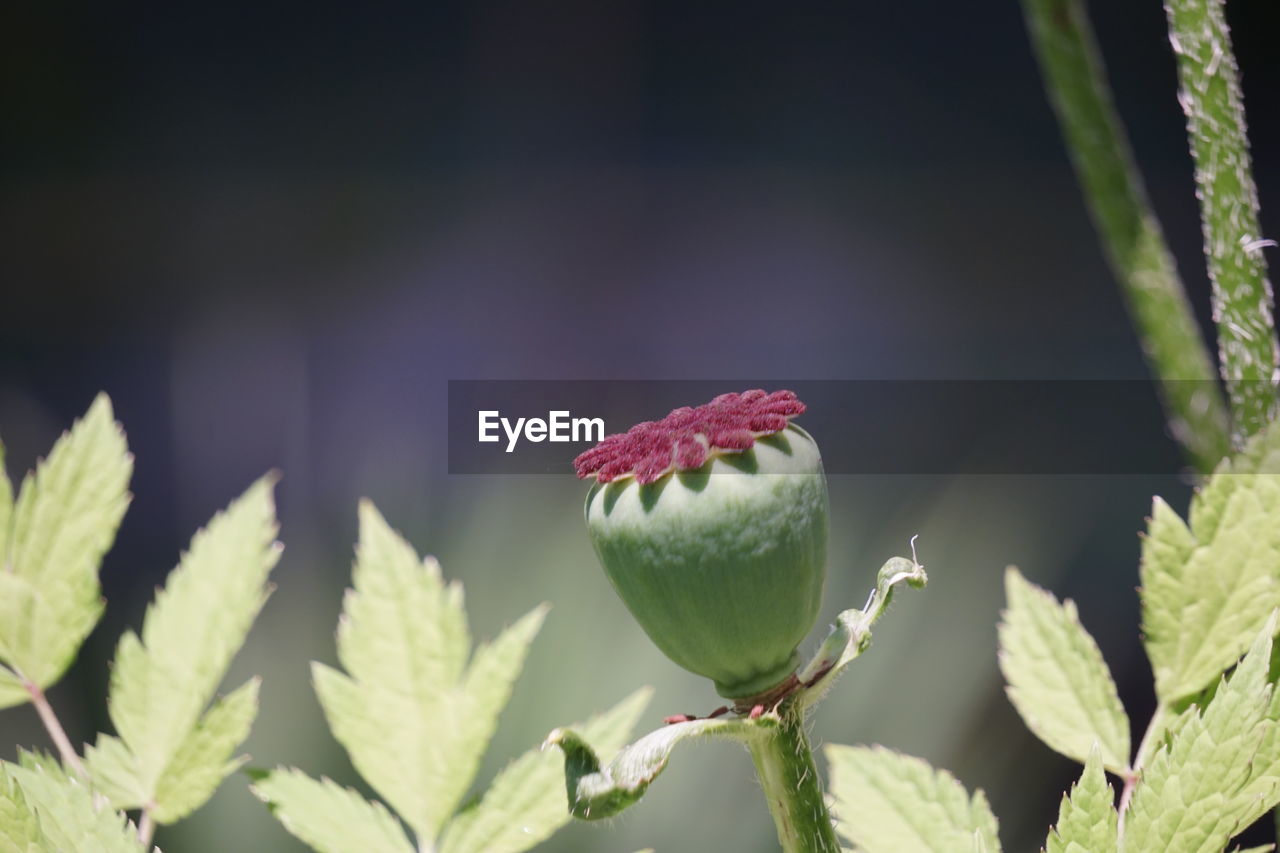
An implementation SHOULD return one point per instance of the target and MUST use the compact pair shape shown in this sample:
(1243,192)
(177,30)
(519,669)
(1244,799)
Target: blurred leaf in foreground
(51,544)
(42,808)
(416,717)
(171,753)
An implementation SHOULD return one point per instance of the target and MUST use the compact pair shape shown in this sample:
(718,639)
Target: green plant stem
(1131,236)
(784,763)
(56,733)
(1242,298)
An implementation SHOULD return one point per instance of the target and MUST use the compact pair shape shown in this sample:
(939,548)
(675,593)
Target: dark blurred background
(273,231)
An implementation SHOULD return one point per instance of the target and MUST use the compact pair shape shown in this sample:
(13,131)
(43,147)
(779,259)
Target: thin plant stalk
(793,787)
(1131,236)
(146,828)
(56,733)
(1243,304)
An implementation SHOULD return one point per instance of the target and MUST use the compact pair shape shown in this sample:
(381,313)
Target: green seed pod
(712,527)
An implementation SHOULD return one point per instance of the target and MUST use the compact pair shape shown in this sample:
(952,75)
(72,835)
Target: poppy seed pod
(711,524)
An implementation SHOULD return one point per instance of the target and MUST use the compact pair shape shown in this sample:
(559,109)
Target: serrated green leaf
(19,826)
(162,682)
(114,772)
(65,810)
(205,757)
(1195,792)
(1057,678)
(36,617)
(596,791)
(64,520)
(11,690)
(44,762)
(886,802)
(526,802)
(1209,587)
(1087,819)
(403,640)
(1260,792)
(330,818)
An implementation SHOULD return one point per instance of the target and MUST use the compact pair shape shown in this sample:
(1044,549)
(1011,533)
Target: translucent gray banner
(862,426)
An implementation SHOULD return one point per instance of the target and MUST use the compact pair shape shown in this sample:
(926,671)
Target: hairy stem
(56,733)
(1131,236)
(784,763)
(1242,299)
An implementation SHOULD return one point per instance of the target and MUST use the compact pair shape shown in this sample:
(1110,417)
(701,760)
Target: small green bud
(721,562)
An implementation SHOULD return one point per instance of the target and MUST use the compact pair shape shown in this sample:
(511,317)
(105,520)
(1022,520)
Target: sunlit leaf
(53,539)
(162,682)
(1087,819)
(1057,678)
(1208,587)
(67,816)
(1196,792)
(404,642)
(328,817)
(886,802)
(206,755)
(19,825)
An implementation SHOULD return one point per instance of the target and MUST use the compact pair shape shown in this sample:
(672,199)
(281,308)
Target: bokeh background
(273,231)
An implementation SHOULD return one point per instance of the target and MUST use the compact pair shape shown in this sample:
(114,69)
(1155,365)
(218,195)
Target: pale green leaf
(403,640)
(1195,794)
(596,791)
(64,807)
(36,616)
(205,757)
(886,802)
(44,762)
(1209,587)
(162,682)
(526,802)
(11,690)
(1057,678)
(114,772)
(19,826)
(1262,790)
(330,818)
(64,520)
(1087,819)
